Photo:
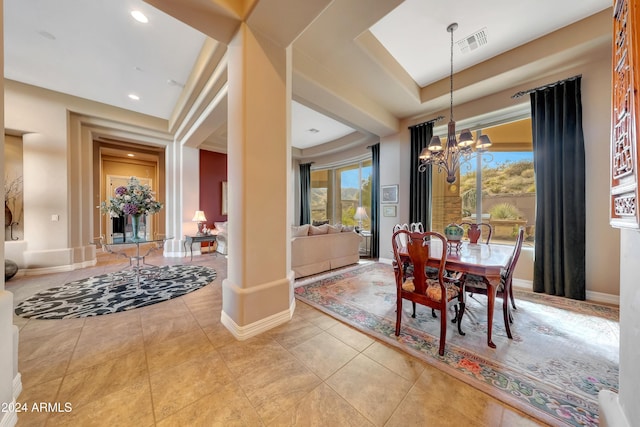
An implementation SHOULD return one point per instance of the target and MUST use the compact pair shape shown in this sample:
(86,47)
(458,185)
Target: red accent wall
(213,171)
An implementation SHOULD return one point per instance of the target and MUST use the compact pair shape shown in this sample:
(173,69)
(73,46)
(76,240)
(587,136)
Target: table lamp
(361,214)
(200,219)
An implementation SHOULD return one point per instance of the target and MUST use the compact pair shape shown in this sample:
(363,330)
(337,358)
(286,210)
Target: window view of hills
(508,195)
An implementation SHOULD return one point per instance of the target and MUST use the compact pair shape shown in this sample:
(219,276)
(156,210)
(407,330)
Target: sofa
(221,237)
(326,247)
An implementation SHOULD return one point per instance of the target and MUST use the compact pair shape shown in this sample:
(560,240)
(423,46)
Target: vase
(135,228)
(8,215)
(473,233)
(453,232)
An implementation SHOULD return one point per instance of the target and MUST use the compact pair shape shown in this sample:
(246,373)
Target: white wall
(8,332)
(629,325)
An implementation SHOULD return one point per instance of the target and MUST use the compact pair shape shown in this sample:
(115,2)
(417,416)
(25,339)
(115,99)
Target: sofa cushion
(332,229)
(221,226)
(321,229)
(317,223)
(299,231)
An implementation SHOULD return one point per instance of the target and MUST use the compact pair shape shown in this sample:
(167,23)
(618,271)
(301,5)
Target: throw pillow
(300,231)
(322,229)
(221,226)
(348,228)
(333,229)
(318,223)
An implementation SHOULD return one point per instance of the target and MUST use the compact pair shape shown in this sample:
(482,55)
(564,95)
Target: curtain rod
(427,122)
(528,91)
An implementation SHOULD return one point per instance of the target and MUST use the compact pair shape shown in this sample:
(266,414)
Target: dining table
(481,259)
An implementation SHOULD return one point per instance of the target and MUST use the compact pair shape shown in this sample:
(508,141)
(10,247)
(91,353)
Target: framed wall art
(389,193)
(224,197)
(389,210)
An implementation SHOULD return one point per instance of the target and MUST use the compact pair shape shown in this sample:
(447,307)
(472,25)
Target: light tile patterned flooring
(174,364)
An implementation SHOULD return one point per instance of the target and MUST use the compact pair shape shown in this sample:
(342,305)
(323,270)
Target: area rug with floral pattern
(563,351)
(115,292)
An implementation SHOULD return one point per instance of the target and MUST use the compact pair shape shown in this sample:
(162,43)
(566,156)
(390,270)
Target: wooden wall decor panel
(624,212)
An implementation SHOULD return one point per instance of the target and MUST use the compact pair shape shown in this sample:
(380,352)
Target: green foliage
(505,211)
(504,178)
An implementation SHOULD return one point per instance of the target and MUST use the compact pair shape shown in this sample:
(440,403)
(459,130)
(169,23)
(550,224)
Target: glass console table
(137,265)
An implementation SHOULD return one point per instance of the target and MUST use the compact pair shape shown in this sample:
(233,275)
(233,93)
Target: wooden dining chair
(478,284)
(485,228)
(413,284)
(416,227)
(402,240)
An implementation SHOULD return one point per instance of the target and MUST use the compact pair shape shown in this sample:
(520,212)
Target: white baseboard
(603,298)
(245,332)
(17,385)
(611,413)
(9,418)
(599,297)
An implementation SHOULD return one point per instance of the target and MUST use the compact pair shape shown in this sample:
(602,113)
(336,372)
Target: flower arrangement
(131,199)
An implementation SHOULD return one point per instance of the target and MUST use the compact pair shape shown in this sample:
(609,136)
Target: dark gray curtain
(558,153)
(375,201)
(305,193)
(420,182)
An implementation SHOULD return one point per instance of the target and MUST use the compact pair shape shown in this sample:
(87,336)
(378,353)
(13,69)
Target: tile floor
(174,364)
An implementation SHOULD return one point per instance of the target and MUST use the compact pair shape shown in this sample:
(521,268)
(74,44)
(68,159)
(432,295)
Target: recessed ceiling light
(131,155)
(313,130)
(139,16)
(134,97)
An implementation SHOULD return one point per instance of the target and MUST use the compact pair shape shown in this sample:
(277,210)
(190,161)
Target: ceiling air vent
(473,41)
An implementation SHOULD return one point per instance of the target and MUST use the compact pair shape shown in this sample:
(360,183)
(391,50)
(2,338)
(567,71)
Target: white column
(183,193)
(258,291)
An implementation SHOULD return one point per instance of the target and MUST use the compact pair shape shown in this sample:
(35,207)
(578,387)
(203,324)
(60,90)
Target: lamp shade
(466,138)
(483,142)
(361,214)
(435,144)
(425,154)
(199,217)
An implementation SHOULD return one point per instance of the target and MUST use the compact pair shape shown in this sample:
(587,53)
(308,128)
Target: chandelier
(454,152)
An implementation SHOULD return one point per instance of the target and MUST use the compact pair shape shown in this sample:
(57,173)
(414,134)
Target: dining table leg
(493,282)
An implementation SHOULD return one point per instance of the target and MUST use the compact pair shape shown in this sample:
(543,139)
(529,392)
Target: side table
(190,240)
(366,235)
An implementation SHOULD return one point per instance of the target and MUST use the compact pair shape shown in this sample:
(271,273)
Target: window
(336,193)
(508,193)
(503,176)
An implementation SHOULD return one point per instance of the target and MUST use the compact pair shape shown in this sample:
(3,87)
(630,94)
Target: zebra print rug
(115,292)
